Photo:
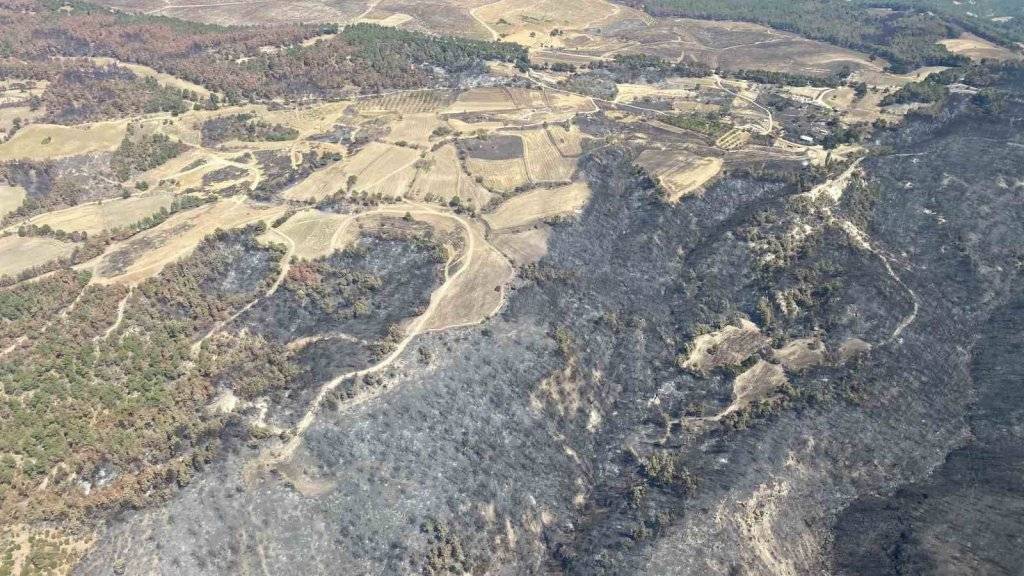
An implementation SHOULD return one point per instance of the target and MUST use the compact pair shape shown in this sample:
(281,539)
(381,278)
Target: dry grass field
(442,178)
(890,80)
(381,19)
(145,254)
(978,48)
(476,125)
(18,90)
(378,161)
(760,381)
(315,233)
(108,215)
(187,170)
(11,198)
(18,254)
(544,160)
(9,114)
(523,247)
(596,29)
(445,17)
(308,120)
(537,205)
(568,141)
(319,184)
(501,175)
(232,12)
(414,128)
(565,105)
(800,354)
(679,171)
(45,141)
(396,183)
(530,23)
(477,292)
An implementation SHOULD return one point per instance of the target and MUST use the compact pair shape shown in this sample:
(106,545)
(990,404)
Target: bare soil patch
(727,346)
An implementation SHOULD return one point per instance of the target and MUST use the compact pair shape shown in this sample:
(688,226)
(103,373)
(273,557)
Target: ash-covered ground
(564,437)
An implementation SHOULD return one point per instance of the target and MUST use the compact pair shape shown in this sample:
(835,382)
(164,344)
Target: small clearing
(800,354)
(727,346)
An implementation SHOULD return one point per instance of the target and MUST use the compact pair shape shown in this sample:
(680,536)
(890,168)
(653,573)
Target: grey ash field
(459,287)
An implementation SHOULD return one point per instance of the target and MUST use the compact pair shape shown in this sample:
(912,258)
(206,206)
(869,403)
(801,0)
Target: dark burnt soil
(544,442)
(495,147)
(351,303)
(966,515)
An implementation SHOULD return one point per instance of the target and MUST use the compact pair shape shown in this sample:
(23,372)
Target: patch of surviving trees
(91,395)
(226,60)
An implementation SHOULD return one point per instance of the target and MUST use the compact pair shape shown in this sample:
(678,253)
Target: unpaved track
(416,328)
(834,189)
(285,266)
(771,121)
(119,317)
(494,33)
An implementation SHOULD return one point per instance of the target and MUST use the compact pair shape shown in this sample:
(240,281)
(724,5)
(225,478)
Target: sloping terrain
(582,289)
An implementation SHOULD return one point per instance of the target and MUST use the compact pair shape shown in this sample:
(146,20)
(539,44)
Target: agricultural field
(978,48)
(441,178)
(46,141)
(537,205)
(382,168)
(409,102)
(438,287)
(680,172)
(482,100)
(315,234)
(10,198)
(523,247)
(109,215)
(414,128)
(19,254)
(499,175)
(146,254)
(545,161)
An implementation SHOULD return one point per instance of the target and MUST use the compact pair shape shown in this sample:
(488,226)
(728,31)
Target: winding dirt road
(415,328)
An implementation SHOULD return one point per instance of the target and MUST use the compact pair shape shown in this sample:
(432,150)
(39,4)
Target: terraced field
(108,216)
(641,295)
